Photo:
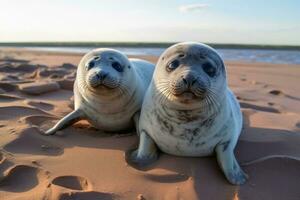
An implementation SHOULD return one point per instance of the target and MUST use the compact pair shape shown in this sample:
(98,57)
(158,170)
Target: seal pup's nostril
(193,81)
(103,75)
(185,81)
(98,76)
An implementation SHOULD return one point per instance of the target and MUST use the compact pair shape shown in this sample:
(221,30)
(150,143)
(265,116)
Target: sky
(209,21)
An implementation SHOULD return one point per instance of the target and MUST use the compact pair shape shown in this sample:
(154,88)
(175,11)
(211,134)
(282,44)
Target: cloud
(192,7)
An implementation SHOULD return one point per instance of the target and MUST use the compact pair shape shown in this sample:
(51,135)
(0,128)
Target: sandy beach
(81,163)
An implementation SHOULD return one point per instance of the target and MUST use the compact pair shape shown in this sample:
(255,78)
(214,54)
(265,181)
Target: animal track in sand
(280,93)
(88,196)
(276,92)
(266,142)
(72,182)
(30,141)
(276,177)
(244,99)
(22,178)
(37,120)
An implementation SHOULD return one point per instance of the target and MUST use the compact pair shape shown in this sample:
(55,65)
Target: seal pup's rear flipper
(68,120)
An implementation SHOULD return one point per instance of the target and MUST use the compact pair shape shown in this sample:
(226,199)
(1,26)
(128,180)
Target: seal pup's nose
(189,80)
(101,75)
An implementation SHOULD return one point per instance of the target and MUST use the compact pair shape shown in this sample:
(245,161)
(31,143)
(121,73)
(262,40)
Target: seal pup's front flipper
(229,164)
(69,119)
(146,152)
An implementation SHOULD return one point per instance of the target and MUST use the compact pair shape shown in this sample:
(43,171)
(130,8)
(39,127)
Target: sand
(81,163)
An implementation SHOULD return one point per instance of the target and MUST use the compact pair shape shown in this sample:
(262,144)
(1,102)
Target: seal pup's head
(190,75)
(106,72)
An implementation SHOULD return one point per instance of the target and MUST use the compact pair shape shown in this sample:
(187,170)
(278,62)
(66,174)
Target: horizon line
(146,44)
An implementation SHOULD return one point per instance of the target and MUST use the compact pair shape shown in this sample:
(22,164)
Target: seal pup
(108,91)
(188,110)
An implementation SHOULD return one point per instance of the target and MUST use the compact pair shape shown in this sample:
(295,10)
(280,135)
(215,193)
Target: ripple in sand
(38,88)
(11,68)
(40,105)
(68,66)
(5,164)
(11,112)
(72,182)
(259,108)
(7,87)
(8,59)
(53,73)
(66,84)
(8,98)
(165,176)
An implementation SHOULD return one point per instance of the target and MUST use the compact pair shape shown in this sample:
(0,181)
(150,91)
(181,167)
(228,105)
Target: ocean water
(249,55)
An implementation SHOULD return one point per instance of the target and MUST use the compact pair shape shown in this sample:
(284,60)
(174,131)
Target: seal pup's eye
(173,65)
(209,69)
(117,66)
(90,65)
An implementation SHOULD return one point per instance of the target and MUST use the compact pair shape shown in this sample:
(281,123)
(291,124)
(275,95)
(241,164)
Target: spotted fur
(184,123)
